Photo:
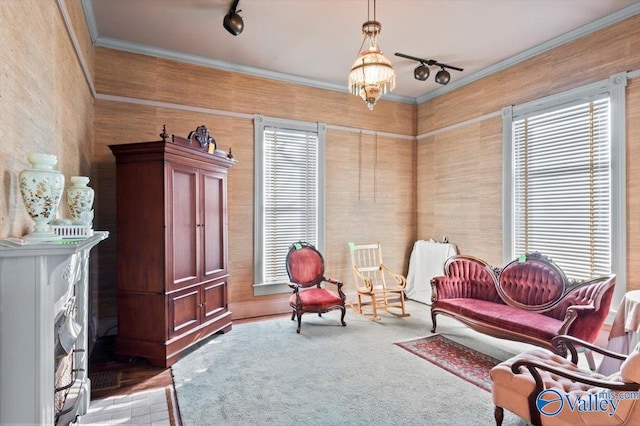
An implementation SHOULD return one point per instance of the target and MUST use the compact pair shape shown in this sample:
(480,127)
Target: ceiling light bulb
(443,77)
(421,72)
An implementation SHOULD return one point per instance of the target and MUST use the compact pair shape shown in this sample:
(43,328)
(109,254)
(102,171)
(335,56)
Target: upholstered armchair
(305,267)
(548,389)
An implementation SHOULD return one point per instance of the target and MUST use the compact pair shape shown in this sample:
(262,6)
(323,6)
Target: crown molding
(567,37)
(89,16)
(142,49)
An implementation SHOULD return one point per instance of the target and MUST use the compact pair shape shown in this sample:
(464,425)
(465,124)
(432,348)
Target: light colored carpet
(263,373)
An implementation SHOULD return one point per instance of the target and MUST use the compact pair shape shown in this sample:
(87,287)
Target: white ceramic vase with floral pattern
(80,201)
(41,188)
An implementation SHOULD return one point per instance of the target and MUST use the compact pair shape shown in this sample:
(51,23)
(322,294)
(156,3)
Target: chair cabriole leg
(498,414)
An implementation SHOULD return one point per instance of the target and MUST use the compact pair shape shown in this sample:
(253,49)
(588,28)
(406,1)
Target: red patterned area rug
(464,362)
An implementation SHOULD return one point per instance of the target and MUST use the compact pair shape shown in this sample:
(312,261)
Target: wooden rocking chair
(371,283)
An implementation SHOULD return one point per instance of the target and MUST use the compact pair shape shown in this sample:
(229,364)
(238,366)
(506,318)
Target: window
(562,187)
(565,180)
(289,196)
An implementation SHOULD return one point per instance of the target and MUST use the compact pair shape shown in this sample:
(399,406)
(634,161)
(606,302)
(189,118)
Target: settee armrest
(465,277)
(456,287)
(585,307)
(449,287)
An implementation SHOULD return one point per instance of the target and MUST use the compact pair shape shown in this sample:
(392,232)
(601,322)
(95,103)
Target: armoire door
(214,298)
(183,226)
(184,311)
(214,256)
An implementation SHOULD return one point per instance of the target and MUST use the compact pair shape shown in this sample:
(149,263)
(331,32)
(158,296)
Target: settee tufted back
(534,284)
(468,268)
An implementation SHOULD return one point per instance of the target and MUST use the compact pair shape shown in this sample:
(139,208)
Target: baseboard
(261,308)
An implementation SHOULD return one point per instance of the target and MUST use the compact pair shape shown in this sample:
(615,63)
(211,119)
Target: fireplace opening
(67,387)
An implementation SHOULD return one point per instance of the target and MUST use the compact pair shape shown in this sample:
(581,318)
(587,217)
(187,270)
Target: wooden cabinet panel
(172,246)
(214,299)
(184,225)
(214,226)
(139,181)
(184,311)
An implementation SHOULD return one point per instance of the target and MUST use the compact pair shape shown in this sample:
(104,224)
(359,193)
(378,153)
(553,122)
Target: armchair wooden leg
(293,315)
(592,363)
(498,413)
(299,322)
(344,311)
(433,322)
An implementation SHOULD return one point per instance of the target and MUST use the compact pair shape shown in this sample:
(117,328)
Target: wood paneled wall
(459,181)
(370,192)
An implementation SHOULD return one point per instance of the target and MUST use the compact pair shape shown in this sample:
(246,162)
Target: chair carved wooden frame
(305,267)
(542,370)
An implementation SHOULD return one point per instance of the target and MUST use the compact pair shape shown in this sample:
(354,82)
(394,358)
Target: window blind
(562,187)
(290,196)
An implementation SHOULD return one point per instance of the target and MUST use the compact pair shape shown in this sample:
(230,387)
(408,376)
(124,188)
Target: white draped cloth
(624,331)
(426,261)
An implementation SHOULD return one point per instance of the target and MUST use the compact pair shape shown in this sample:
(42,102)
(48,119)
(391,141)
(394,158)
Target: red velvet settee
(529,300)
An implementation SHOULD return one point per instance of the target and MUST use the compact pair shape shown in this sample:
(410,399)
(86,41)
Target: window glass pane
(562,187)
(290,196)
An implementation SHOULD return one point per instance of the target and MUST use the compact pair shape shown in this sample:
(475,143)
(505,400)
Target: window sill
(267,289)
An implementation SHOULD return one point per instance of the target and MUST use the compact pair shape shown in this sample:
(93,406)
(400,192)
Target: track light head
(421,72)
(443,77)
(232,21)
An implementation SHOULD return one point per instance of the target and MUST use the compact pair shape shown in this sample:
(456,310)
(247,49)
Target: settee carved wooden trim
(529,300)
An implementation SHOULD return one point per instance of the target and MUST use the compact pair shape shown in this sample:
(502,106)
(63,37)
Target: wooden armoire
(172,245)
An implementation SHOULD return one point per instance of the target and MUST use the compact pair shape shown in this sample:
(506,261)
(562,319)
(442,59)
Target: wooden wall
(459,173)
(370,180)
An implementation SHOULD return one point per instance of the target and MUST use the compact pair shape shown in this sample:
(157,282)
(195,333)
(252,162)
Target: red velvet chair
(305,267)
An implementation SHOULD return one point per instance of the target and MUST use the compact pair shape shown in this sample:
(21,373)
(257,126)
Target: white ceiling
(315,42)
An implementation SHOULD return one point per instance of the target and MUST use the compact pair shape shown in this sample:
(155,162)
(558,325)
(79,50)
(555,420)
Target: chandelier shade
(372,75)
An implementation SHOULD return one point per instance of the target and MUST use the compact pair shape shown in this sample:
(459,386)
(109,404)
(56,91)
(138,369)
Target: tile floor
(142,408)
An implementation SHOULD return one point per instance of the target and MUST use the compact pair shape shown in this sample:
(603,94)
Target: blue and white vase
(41,188)
(80,201)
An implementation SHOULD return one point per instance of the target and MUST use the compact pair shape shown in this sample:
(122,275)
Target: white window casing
(289,195)
(564,180)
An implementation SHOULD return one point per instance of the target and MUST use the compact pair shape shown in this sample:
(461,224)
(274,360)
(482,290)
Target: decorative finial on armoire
(164,134)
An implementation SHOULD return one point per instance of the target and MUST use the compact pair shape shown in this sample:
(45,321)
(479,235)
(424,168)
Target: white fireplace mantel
(36,282)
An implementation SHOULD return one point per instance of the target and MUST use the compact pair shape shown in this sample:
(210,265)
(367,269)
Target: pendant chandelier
(372,75)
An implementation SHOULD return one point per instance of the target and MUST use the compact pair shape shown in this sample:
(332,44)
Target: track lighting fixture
(232,21)
(442,77)
(422,71)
